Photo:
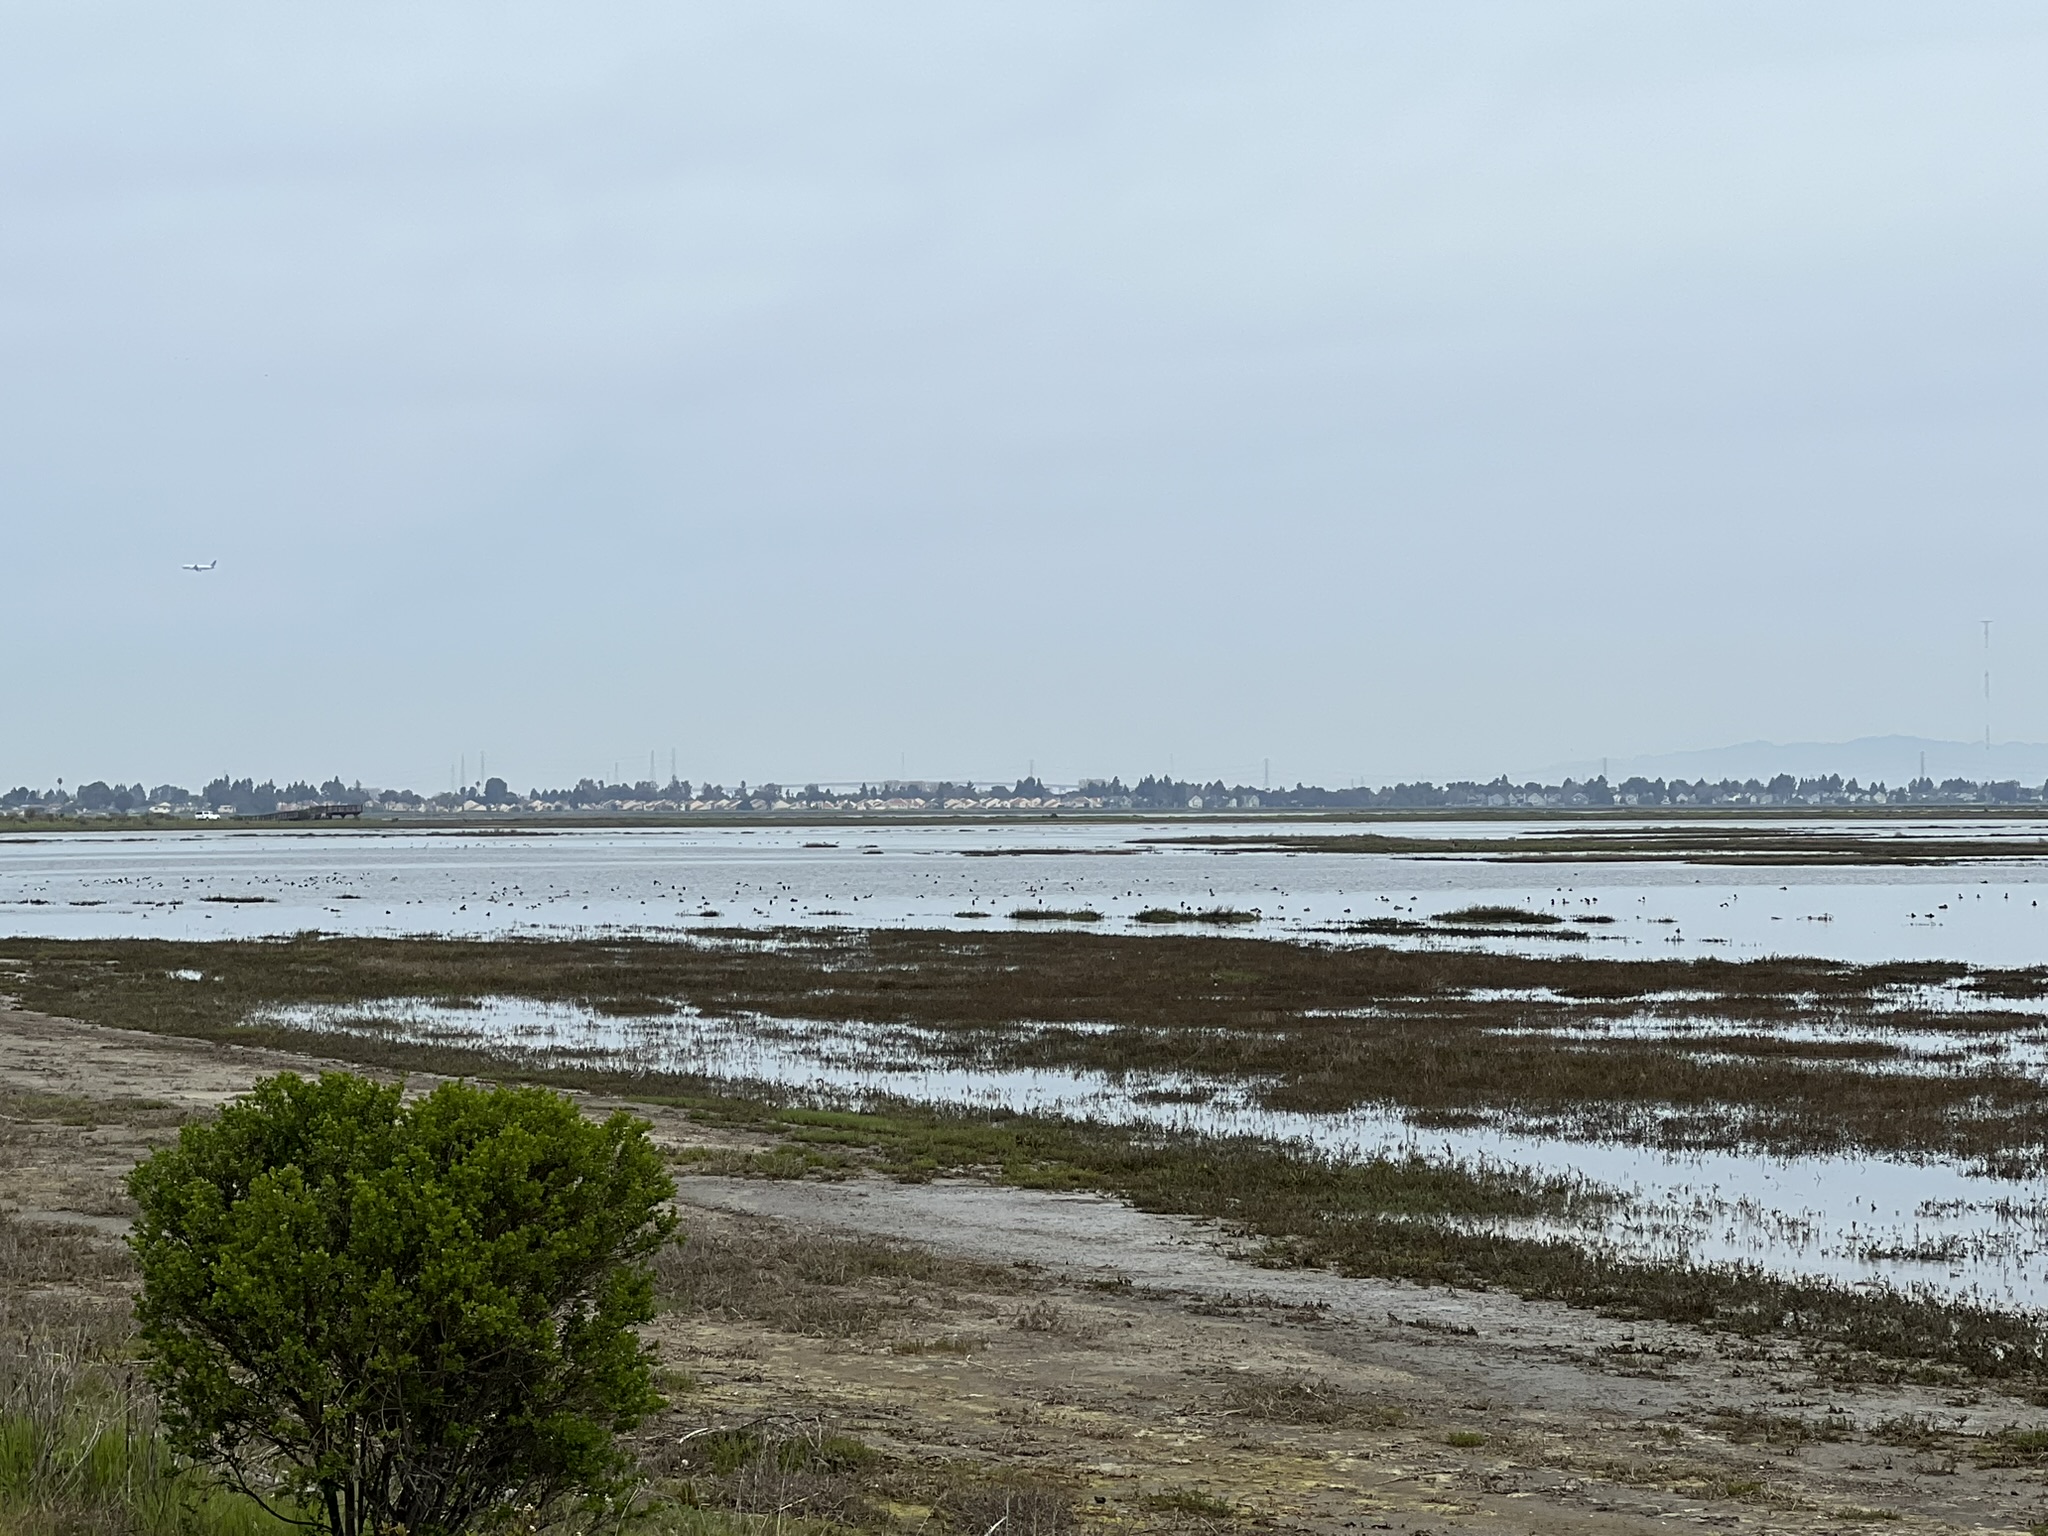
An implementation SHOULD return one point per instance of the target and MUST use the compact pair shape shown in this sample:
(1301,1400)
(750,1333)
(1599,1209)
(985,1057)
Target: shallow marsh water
(1857,1219)
(1927,1223)
(239,883)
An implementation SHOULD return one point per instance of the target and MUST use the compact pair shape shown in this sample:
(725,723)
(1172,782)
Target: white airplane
(206,567)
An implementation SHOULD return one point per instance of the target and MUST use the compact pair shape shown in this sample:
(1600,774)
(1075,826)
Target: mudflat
(949,1335)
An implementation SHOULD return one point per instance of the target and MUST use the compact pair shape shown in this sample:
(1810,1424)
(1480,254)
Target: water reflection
(666,880)
(1906,1223)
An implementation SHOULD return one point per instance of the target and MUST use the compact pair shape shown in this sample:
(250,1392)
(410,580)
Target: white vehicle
(206,567)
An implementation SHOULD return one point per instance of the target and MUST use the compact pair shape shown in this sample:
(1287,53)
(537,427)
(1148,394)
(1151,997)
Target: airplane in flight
(206,567)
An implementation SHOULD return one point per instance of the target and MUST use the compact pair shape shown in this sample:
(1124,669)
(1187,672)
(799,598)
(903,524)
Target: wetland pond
(1933,1223)
(1929,1224)
(564,881)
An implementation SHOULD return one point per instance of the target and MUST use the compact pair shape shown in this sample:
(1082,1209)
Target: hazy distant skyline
(1893,761)
(951,391)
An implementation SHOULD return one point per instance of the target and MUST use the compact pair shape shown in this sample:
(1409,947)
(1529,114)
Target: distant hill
(1894,759)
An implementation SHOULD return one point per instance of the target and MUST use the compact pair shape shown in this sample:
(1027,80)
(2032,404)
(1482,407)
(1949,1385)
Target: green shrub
(382,1316)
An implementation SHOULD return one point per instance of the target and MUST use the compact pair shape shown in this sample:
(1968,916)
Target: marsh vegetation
(82,1447)
(1714,841)
(1785,1057)
(823,1378)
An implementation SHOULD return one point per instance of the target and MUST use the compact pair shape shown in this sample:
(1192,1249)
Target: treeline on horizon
(246,797)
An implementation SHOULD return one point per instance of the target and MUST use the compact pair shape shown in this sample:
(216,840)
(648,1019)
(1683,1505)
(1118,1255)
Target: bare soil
(1131,1360)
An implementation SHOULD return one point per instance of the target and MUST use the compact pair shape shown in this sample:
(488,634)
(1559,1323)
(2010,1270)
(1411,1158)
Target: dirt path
(1133,1360)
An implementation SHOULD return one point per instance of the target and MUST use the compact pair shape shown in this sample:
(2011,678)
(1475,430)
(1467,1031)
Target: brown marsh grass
(81,1449)
(817,1284)
(1444,1037)
(1302,1399)
(1701,842)
(1424,1033)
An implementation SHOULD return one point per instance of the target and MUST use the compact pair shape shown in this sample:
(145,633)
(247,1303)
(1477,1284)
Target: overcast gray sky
(829,390)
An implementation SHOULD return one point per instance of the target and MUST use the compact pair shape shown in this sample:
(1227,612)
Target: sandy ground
(1108,1367)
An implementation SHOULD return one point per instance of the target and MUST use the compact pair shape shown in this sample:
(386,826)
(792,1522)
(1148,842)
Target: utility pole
(1987,688)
